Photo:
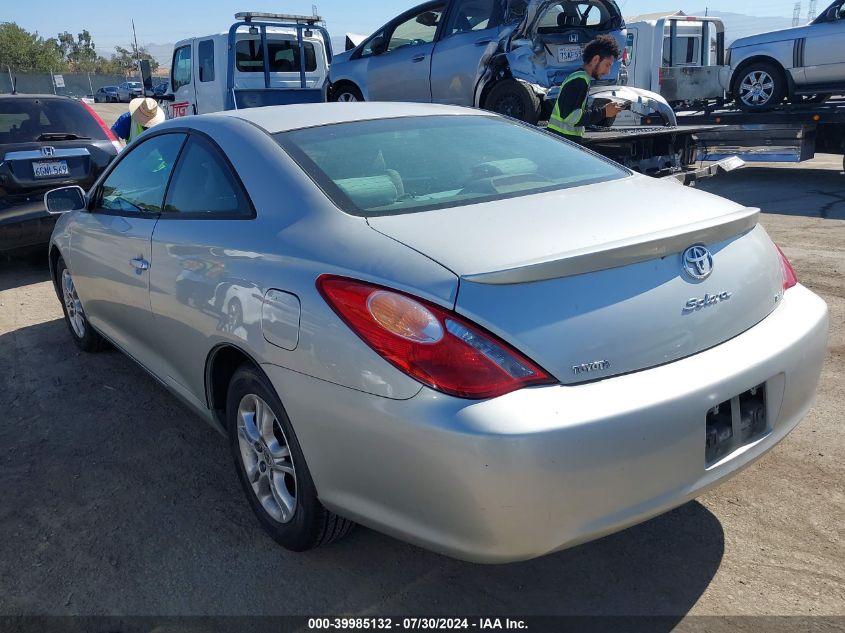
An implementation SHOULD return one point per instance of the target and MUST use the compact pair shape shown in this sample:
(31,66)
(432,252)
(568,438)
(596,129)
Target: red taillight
(105,128)
(790,279)
(429,343)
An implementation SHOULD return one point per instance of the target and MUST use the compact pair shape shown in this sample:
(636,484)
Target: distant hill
(737,25)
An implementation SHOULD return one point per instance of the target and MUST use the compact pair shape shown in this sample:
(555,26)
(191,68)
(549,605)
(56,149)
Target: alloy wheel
(757,89)
(75,314)
(266,458)
(347,97)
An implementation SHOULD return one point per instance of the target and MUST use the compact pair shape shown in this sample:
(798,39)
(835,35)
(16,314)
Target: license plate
(51,169)
(566,54)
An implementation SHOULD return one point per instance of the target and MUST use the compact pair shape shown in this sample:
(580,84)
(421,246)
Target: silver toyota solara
(440,323)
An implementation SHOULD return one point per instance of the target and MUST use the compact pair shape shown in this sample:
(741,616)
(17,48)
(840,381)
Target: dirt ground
(118,501)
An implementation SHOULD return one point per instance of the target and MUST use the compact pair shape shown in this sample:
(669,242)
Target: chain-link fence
(75,84)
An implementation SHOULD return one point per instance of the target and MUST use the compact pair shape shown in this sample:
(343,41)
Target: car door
(200,290)
(471,32)
(182,82)
(402,72)
(111,255)
(824,49)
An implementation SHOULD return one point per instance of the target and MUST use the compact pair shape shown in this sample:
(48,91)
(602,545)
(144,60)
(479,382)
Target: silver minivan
(506,56)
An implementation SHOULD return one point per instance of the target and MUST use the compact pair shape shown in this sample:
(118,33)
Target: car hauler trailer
(790,133)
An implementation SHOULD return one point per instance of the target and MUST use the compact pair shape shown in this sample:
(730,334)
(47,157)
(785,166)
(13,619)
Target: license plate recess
(736,423)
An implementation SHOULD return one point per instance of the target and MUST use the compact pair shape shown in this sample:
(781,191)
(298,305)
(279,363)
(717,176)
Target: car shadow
(24,269)
(133,502)
(814,193)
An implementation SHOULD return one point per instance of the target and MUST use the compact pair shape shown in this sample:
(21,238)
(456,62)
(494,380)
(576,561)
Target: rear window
(565,15)
(406,165)
(284,56)
(28,120)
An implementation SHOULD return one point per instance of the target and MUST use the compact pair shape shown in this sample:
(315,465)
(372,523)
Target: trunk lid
(589,289)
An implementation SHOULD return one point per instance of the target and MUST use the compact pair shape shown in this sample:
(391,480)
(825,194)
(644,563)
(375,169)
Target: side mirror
(429,18)
(832,14)
(378,45)
(64,200)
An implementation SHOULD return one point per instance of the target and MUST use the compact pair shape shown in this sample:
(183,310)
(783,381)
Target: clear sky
(166,21)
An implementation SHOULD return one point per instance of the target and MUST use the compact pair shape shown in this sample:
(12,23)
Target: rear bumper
(544,469)
(25,225)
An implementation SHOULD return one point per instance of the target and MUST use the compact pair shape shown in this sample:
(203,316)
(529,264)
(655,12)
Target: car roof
(35,96)
(275,119)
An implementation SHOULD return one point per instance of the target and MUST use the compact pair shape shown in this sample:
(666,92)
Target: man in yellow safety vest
(143,114)
(571,114)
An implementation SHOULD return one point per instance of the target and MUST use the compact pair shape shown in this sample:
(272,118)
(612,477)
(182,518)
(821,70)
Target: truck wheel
(760,86)
(272,468)
(513,99)
(347,93)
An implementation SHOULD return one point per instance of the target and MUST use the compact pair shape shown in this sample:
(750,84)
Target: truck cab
(264,59)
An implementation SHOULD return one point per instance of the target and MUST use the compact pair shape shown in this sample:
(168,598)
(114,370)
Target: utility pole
(137,55)
(796,15)
(811,14)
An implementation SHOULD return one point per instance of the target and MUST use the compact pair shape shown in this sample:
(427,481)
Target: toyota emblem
(698,262)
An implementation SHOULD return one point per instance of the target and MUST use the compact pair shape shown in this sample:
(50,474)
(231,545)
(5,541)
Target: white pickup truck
(264,59)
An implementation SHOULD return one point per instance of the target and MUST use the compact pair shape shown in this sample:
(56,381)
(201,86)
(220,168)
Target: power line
(796,16)
(811,14)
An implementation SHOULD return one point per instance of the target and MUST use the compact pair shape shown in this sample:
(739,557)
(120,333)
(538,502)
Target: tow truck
(264,59)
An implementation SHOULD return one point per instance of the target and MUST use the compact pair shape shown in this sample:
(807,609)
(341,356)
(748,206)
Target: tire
(764,87)
(85,337)
(282,495)
(347,93)
(513,99)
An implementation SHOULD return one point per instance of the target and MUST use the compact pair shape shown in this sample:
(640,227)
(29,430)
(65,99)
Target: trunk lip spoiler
(625,252)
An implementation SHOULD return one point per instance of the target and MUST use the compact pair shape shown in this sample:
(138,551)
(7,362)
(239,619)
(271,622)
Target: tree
(126,59)
(80,53)
(23,51)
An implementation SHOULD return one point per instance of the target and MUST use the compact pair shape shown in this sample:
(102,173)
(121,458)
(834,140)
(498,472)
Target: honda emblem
(48,151)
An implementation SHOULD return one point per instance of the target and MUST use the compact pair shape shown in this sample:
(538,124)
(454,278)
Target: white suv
(803,63)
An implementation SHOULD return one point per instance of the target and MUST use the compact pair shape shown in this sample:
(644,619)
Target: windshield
(25,120)
(405,165)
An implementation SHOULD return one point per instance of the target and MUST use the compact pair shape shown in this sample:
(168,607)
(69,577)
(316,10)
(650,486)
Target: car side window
(473,15)
(138,182)
(205,51)
(181,71)
(418,29)
(204,184)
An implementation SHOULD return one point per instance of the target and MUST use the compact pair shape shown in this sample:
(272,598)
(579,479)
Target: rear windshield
(405,165)
(27,120)
(284,56)
(567,14)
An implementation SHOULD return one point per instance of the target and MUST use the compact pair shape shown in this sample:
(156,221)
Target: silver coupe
(439,322)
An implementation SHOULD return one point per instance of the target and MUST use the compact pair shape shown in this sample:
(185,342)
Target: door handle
(140,264)
(482,42)
(419,58)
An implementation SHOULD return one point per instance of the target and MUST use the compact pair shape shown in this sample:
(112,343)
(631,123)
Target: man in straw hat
(143,114)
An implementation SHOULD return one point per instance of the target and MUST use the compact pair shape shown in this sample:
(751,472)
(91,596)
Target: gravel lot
(118,501)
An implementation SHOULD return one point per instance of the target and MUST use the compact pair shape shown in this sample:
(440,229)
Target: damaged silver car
(507,56)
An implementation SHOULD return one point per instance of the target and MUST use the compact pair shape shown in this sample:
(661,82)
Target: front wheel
(85,337)
(514,99)
(347,93)
(272,468)
(760,87)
